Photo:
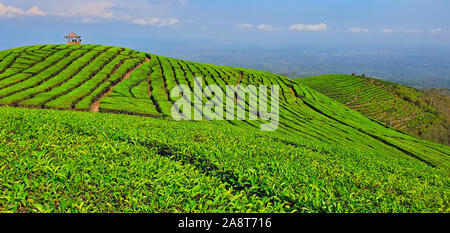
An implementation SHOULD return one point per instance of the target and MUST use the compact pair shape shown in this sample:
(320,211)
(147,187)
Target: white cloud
(436,30)
(35,11)
(91,9)
(91,12)
(246,26)
(390,30)
(358,29)
(96,11)
(266,27)
(157,22)
(310,27)
(11,12)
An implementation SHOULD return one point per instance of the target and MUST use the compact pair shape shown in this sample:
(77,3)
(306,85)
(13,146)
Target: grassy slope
(65,161)
(398,106)
(439,99)
(322,153)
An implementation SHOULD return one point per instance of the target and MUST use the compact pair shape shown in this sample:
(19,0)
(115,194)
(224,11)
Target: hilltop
(325,157)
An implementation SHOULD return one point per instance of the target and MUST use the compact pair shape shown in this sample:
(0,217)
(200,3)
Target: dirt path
(96,105)
(293,93)
(240,79)
(357,95)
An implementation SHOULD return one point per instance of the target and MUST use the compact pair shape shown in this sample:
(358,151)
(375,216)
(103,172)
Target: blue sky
(146,24)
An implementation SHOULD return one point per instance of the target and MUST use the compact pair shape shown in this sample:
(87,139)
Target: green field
(325,157)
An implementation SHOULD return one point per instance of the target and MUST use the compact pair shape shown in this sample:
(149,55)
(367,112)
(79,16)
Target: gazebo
(73,38)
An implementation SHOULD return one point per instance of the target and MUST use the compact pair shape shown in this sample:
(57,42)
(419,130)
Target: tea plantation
(395,105)
(64,148)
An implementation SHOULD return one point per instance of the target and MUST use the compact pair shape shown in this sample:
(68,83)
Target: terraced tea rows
(111,79)
(376,99)
(64,77)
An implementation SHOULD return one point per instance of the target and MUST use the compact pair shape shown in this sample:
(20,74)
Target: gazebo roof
(72,35)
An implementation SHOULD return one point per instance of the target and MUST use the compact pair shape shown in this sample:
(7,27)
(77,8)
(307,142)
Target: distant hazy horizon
(404,40)
(420,67)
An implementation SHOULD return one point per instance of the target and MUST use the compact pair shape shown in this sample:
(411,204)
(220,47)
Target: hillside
(395,105)
(325,157)
(440,100)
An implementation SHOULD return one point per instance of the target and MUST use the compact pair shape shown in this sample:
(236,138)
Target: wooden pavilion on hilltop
(73,38)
